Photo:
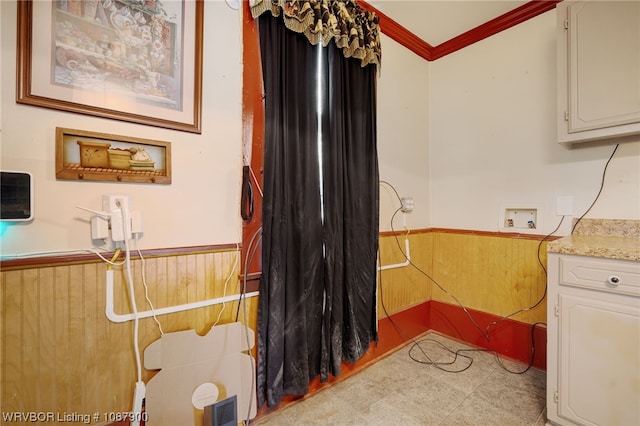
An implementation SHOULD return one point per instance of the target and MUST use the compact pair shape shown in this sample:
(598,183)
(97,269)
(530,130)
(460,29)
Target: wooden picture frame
(92,156)
(133,60)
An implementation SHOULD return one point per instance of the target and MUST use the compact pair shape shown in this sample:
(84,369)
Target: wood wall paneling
(61,354)
(491,274)
(483,276)
(404,287)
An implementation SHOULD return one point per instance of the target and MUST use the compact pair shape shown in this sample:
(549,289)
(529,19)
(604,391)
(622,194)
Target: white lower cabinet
(593,341)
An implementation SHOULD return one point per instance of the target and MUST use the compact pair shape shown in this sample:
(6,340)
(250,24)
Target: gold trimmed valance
(353,29)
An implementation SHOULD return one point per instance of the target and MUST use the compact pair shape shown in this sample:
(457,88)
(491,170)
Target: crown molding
(400,34)
(406,38)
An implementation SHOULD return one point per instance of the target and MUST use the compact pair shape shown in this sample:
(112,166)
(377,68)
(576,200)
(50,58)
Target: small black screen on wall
(15,196)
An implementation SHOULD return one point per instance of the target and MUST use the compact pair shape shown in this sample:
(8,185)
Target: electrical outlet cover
(565,205)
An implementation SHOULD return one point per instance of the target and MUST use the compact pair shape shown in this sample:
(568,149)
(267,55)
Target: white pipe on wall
(114,317)
(407,254)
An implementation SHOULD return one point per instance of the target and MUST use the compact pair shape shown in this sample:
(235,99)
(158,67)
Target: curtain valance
(353,29)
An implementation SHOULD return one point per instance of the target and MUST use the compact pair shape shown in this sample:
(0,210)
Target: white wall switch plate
(565,205)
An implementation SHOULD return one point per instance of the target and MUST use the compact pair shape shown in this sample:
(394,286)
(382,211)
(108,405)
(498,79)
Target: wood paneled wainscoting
(60,353)
(487,289)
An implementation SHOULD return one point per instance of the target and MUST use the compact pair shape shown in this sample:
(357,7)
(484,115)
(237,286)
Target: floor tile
(476,411)
(416,386)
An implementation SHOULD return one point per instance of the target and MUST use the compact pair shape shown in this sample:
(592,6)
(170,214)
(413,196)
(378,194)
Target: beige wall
(403,135)
(493,139)
(464,136)
(200,207)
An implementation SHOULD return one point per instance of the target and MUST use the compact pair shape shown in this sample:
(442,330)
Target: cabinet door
(599,69)
(599,361)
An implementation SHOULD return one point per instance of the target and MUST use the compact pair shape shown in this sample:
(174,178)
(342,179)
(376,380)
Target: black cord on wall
(485,333)
(604,174)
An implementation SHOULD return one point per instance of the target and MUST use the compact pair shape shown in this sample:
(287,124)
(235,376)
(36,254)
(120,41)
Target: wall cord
(604,173)
(485,333)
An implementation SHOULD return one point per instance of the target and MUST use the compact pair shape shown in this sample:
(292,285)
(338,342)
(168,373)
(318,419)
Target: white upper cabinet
(598,69)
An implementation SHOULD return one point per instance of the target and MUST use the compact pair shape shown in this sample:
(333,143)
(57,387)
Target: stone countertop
(609,238)
(611,247)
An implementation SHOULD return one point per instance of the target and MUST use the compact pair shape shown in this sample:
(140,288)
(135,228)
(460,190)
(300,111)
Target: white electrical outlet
(407,204)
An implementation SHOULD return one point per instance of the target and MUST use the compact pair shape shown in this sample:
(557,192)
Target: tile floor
(400,391)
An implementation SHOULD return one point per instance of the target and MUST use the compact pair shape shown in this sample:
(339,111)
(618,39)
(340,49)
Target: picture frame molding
(25,91)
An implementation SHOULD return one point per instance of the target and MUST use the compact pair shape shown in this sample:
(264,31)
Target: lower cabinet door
(599,361)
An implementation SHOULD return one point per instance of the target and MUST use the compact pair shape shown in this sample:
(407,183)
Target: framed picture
(83,155)
(132,60)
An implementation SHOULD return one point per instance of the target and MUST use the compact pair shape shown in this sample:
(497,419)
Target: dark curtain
(317,294)
(291,291)
(351,185)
